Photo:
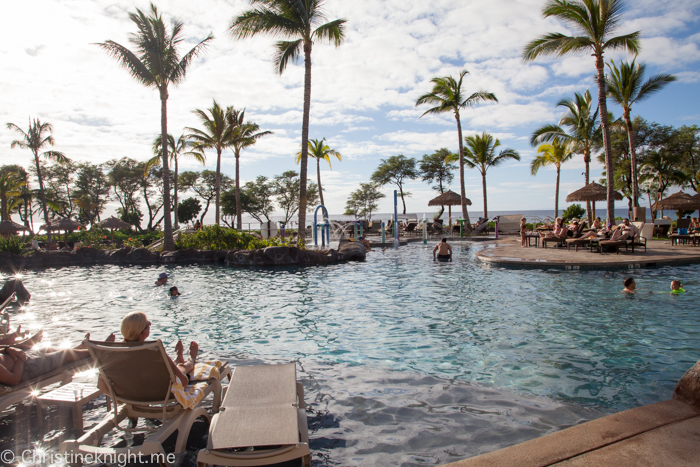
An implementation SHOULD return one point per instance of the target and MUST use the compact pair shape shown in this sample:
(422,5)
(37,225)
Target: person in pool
(630,285)
(174,292)
(677,287)
(443,249)
(162,279)
(365,242)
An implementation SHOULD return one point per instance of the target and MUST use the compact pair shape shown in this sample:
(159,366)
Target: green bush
(12,244)
(219,238)
(573,211)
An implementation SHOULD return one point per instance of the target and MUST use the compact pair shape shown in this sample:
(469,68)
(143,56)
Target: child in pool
(677,287)
(174,292)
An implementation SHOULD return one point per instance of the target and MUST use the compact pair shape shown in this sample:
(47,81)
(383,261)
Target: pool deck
(662,434)
(506,251)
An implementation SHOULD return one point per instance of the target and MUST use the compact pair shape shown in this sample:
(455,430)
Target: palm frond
(179,71)
(127,59)
(286,51)
(334,32)
(481,96)
(56,156)
(628,42)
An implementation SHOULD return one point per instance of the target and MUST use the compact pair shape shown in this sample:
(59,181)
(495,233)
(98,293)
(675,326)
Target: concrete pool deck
(506,251)
(662,434)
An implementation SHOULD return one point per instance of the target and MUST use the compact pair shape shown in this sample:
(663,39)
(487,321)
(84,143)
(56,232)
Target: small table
(677,239)
(73,396)
(531,235)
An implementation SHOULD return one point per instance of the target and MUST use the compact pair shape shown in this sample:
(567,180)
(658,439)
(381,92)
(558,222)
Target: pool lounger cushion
(263,409)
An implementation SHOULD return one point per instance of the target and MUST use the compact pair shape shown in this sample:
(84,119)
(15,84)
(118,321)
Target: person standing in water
(443,250)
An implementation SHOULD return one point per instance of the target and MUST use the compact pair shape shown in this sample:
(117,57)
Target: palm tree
(157,64)
(625,87)
(177,150)
(594,21)
(319,150)
(298,21)
(447,96)
(481,154)
(584,132)
(37,137)
(216,135)
(10,189)
(242,135)
(554,154)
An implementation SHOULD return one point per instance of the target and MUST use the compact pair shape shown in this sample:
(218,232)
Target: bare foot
(111,338)
(180,349)
(194,350)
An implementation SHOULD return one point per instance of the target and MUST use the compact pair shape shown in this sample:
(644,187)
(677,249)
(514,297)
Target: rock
(14,286)
(119,255)
(351,251)
(688,388)
(142,255)
(280,256)
(187,255)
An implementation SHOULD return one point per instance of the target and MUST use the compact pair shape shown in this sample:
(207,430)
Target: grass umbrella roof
(592,192)
(448,198)
(114,223)
(11,227)
(678,201)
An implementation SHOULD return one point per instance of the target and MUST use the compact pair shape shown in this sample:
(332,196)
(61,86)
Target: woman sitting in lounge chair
(694,225)
(559,230)
(597,224)
(136,328)
(17,365)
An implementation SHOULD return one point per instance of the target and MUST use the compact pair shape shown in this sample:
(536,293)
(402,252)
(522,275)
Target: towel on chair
(192,394)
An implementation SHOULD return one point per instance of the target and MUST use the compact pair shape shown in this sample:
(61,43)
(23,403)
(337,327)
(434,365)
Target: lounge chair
(10,395)
(577,242)
(483,227)
(410,228)
(262,420)
(140,379)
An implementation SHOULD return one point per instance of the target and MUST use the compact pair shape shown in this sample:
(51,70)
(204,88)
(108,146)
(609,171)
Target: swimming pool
(408,361)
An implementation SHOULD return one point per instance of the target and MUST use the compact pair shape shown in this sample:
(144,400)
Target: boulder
(351,251)
(187,255)
(15,286)
(142,255)
(688,388)
(280,256)
(119,255)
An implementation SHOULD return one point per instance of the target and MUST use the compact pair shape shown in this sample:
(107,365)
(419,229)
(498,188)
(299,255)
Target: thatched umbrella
(678,201)
(449,199)
(67,225)
(113,223)
(592,192)
(10,227)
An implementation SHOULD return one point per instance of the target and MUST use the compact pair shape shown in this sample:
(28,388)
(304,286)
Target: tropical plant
(447,96)
(285,188)
(575,211)
(205,185)
(593,23)
(177,150)
(662,170)
(157,64)
(363,202)
(37,137)
(396,170)
(215,135)
(481,154)
(242,135)
(435,168)
(189,209)
(554,154)
(583,132)
(319,150)
(220,238)
(625,86)
(11,184)
(90,192)
(256,199)
(12,244)
(300,24)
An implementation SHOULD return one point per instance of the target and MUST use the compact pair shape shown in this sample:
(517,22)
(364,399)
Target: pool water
(409,361)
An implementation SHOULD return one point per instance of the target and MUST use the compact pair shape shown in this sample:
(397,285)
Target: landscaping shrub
(219,238)
(12,244)
(573,211)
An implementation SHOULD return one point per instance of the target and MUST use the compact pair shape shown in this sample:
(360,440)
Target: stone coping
(507,252)
(666,433)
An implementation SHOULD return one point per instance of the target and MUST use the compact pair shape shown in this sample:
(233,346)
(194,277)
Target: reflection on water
(374,340)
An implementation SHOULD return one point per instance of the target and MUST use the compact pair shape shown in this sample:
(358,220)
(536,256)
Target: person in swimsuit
(443,250)
(365,242)
(174,292)
(630,285)
(523,232)
(162,279)
(677,287)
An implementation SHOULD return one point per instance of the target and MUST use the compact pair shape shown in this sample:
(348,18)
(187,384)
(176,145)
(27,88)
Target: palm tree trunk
(587,161)
(633,159)
(43,198)
(603,108)
(239,220)
(218,185)
(556,194)
(168,241)
(177,223)
(318,175)
(483,187)
(305,139)
(465,214)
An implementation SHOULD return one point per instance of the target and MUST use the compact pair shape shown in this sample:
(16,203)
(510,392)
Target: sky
(363,93)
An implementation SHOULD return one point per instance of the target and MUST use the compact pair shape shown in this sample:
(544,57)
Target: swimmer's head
(174,292)
(629,283)
(444,240)
(676,285)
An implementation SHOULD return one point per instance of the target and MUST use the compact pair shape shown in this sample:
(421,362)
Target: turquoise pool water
(380,337)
